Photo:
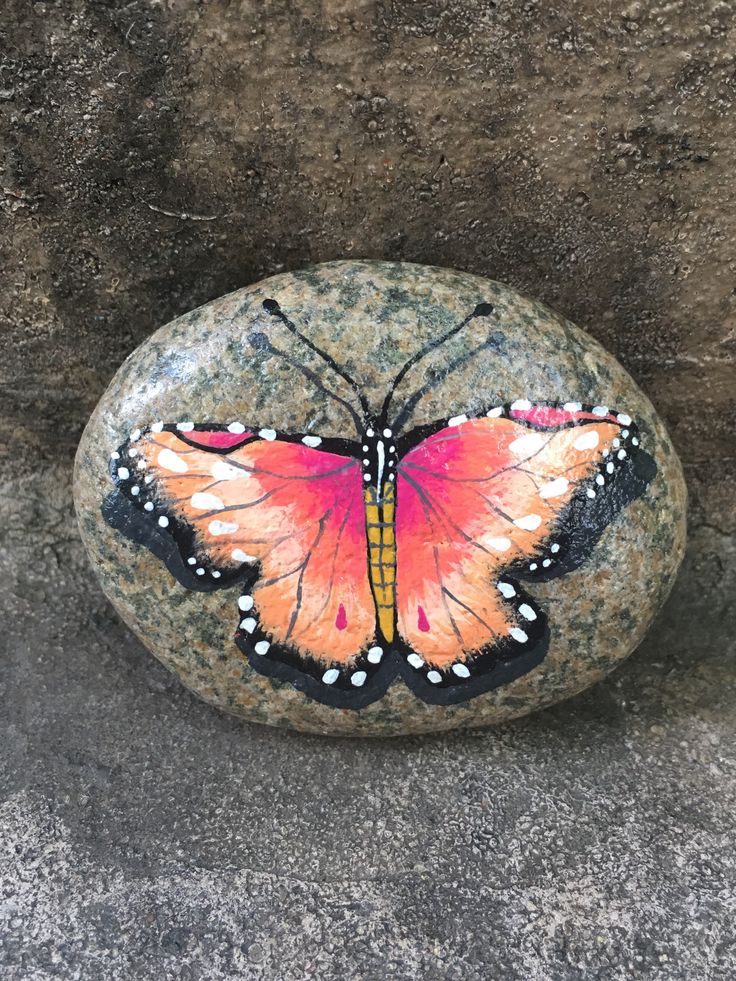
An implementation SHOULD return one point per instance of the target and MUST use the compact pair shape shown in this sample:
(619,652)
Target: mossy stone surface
(371,317)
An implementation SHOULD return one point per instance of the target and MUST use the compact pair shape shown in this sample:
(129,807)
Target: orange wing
(286,516)
(519,493)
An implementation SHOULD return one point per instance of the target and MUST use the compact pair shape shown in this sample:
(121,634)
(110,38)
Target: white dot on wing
(530,522)
(460,670)
(163,521)
(527,611)
(434,676)
(519,635)
(554,488)
(226,471)
(527,445)
(600,410)
(358,678)
(587,441)
(123,473)
(245,603)
(114,455)
(415,661)
(268,434)
(172,461)
(222,527)
(500,544)
(204,501)
(240,556)
(375,654)
(555,548)
(261,647)
(249,624)
(330,676)
(236,427)
(506,589)
(157,427)
(148,506)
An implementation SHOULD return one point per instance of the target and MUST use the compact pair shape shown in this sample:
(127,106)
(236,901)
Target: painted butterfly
(401,552)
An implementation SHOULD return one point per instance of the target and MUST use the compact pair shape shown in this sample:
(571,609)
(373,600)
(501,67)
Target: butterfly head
(379,455)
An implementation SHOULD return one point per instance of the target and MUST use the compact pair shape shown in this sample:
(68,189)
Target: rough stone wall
(158,153)
(583,153)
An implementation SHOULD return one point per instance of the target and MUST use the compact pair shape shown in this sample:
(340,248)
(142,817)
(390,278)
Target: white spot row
(249,624)
(433,676)
(357,678)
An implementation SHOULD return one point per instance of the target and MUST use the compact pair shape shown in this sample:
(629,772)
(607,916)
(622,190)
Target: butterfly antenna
(271,307)
(262,343)
(482,310)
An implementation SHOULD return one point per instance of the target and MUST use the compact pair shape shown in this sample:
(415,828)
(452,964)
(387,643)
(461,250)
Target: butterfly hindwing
(522,492)
(282,516)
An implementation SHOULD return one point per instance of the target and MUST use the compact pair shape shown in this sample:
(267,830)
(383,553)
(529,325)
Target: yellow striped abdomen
(381,531)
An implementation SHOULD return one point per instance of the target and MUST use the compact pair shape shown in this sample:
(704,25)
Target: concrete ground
(159,154)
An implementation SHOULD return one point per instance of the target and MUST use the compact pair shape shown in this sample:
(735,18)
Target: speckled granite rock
(584,584)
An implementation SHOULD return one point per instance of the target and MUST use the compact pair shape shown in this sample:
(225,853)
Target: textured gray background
(159,154)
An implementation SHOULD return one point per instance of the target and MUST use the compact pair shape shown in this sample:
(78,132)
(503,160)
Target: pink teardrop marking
(422,621)
(341,620)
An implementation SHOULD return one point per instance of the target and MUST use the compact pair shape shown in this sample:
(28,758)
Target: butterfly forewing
(521,492)
(283,514)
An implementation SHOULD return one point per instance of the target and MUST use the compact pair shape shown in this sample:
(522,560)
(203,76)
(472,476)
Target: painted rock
(380,498)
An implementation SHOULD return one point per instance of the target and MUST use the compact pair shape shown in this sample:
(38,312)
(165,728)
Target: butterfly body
(379,475)
(404,551)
